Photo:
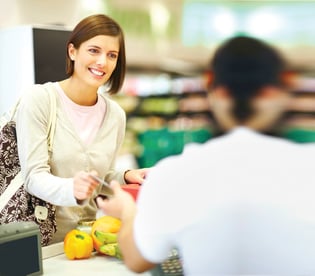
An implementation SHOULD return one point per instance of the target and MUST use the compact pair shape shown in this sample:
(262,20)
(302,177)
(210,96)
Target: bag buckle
(41,213)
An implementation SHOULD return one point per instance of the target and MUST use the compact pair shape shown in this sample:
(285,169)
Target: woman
(89,130)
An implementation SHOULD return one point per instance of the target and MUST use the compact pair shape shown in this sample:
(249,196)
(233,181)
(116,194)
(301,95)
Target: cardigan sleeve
(32,127)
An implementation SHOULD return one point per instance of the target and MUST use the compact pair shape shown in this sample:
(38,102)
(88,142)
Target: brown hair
(94,25)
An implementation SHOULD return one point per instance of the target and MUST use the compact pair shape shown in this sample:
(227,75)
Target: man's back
(240,204)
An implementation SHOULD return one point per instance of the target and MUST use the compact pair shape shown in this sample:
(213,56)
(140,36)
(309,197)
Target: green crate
(299,135)
(158,144)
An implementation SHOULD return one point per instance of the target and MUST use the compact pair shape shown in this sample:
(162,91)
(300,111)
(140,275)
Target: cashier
(241,203)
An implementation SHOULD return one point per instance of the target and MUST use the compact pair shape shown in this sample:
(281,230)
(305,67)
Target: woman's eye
(93,51)
(112,55)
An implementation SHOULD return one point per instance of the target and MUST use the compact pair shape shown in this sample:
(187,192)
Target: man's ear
(221,92)
(290,78)
(272,100)
(220,99)
(269,92)
(208,78)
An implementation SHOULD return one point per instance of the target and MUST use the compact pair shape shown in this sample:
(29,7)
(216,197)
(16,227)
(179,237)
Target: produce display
(103,239)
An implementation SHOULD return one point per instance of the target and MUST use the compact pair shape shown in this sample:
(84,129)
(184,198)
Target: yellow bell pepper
(78,245)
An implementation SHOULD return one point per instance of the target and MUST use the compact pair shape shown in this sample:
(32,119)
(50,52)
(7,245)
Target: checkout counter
(20,241)
(22,254)
(56,263)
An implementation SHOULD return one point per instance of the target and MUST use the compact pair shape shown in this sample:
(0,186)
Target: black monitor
(50,54)
(20,249)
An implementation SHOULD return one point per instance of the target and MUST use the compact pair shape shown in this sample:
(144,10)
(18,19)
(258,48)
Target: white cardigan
(53,181)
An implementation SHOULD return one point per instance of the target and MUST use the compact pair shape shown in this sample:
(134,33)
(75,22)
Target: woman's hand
(84,185)
(136,176)
(121,205)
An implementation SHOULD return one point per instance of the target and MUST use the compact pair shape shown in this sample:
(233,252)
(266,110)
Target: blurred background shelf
(168,45)
(164,113)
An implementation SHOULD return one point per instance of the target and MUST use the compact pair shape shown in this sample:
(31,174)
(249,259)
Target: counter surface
(97,264)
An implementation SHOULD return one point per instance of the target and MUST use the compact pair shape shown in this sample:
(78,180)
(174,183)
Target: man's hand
(123,206)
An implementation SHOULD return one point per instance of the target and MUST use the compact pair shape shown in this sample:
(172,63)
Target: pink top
(86,119)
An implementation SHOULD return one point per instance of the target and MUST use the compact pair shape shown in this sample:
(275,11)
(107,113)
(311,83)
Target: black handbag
(16,204)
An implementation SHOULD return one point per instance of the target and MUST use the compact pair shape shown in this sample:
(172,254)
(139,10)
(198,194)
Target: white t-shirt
(243,203)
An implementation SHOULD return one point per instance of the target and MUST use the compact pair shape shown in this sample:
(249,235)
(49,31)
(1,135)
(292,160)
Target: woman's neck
(81,95)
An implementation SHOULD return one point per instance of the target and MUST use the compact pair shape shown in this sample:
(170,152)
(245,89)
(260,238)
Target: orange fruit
(106,224)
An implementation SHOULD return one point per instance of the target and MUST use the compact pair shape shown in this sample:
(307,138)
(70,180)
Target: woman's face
(95,59)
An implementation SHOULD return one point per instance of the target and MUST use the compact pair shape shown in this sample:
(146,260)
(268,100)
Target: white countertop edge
(52,250)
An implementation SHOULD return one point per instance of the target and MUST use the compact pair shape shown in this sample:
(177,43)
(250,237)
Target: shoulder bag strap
(9,115)
(52,117)
(15,184)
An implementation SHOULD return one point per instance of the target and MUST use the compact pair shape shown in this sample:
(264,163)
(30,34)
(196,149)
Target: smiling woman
(95,31)
(90,127)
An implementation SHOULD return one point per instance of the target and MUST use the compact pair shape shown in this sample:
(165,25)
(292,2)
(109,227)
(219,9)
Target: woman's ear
(71,51)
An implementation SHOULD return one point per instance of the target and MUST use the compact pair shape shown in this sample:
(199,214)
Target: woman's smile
(97,72)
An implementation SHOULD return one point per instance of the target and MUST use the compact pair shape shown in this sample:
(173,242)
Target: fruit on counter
(106,237)
(78,245)
(102,231)
(111,249)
